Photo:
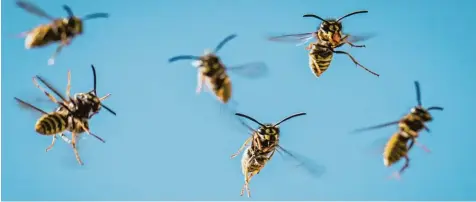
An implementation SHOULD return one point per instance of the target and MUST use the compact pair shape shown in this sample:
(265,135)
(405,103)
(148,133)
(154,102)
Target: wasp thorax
(422,113)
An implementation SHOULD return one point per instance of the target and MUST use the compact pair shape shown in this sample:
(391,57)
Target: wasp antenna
(290,117)
(314,16)
(94,79)
(353,13)
(224,41)
(418,92)
(248,117)
(68,10)
(435,108)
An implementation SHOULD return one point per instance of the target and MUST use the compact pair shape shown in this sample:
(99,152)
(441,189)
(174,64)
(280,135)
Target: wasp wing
(250,70)
(360,37)
(27,105)
(375,127)
(33,9)
(300,39)
(313,168)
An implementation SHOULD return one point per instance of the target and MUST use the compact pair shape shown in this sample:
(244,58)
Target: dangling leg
(89,132)
(241,148)
(355,46)
(68,86)
(247,184)
(52,143)
(53,99)
(200,81)
(423,147)
(355,62)
(76,153)
(398,174)
(65,41)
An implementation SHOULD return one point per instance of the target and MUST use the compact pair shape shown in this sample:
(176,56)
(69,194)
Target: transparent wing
(376,127)
(30,107)
(359,38)
(33,9)
(294,38)
(250,70)
(313,168)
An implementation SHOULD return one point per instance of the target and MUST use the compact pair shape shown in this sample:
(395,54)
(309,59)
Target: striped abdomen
(53,123)
(319,59)
(221,87)
(395,149)
(252,162)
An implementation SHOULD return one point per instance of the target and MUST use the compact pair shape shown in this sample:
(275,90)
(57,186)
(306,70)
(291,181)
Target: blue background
(167,143)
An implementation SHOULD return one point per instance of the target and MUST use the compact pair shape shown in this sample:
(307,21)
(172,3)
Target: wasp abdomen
(51,124)
(221,86)
(395,149)
(319,62)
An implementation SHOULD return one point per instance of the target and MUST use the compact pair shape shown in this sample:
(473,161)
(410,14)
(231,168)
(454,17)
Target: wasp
(330,30)
(66,117)
(59,30)
(264,143)
(409,128)
(213,72)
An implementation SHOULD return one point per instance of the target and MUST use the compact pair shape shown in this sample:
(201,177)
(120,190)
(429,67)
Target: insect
(59,30)
(330,30)
(264,143)
(213,72)
(409,128)
(64,118)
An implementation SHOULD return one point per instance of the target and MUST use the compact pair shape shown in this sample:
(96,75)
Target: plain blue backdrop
(167,143)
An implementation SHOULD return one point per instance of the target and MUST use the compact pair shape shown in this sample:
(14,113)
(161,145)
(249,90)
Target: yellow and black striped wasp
(330,30)
(213,72)
(409,128)
(329,37)
(264,143)
(68,116)
(59,30)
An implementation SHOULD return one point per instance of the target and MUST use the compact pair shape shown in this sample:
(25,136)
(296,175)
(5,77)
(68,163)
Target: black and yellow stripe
(396,148)
(320,58)
(53,123)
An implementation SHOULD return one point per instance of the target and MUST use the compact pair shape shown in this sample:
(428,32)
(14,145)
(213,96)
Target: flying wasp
(64,118)
(330,30)
(61,30)
(409,128)
(213,72)
(264,143)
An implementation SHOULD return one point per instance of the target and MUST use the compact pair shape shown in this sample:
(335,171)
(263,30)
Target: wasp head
(90,99)
(75,25)
(269,132)
(422,113)
(331,30)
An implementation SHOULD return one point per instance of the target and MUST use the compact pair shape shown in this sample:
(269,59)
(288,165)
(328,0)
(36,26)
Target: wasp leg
(51,61)
(76,153)
(53,99)
(66,139)
(68,86)
(241,148)
(52,143)
(89,132)
(200,81)
(355,62)
(247,184)
(355,46)
(104,97)
(308,47)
